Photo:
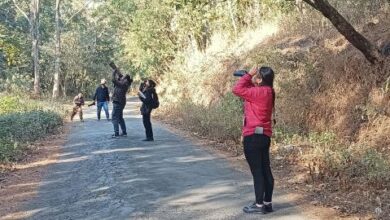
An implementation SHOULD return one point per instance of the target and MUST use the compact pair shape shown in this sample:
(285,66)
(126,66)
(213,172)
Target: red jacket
(258,105)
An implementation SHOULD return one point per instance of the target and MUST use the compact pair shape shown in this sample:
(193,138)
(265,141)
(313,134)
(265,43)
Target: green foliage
(23,121)
(9,104)
(19,129)
(376,166)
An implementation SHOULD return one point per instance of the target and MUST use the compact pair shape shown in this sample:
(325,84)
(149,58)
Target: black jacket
(147,101)
(121,86)
(102,94)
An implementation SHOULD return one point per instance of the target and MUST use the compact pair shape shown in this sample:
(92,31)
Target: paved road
(101,178)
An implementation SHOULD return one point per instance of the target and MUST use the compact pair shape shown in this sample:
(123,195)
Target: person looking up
(149,99)
(121,86)
(256,88)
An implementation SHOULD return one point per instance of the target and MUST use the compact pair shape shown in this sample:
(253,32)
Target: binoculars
(240,73)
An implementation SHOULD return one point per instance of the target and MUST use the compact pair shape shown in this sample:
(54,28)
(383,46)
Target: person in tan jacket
(78,103)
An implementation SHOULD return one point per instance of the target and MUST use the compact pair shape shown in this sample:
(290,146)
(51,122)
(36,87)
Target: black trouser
(147,125)
(256,149)
(117,118)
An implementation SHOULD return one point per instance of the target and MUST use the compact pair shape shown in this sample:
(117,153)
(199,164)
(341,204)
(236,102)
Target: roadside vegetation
(333,107)
(23,121)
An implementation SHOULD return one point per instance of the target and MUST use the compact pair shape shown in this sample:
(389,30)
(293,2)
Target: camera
(240,73)
(115,68)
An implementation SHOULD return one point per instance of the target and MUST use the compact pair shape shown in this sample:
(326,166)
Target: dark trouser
(117,118)
(74,112)
(256,149)
(147,125)
(103,105)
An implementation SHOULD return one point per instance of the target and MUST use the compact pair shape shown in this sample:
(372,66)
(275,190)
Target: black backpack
(155,103)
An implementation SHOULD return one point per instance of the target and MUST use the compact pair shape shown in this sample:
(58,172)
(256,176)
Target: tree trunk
(299,5)
(34,30)
(370,51)
(232,17)
(56,86)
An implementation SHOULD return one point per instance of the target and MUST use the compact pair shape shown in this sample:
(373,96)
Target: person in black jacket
(121,86)
(148,96)
(102,97)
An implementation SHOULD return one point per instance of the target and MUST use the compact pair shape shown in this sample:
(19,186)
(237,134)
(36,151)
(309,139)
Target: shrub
(24,121)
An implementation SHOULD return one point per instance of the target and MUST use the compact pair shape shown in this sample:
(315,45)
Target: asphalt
(97,177)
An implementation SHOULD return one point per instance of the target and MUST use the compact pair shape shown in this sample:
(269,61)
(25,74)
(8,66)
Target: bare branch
(311,3)
(21,11)
(58,4)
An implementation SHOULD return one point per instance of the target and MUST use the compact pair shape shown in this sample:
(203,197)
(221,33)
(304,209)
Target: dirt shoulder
(19,181)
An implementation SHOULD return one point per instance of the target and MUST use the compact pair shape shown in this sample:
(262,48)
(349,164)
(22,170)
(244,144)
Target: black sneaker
(254,209)
(115,136)
(124,135)
(268,208)
(148,139)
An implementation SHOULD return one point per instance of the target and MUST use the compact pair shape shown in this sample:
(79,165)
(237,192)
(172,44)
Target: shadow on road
(96,177)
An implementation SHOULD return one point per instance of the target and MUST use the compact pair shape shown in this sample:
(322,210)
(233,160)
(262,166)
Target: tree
(370,51)
(56,86)
(57,55)
(33,21)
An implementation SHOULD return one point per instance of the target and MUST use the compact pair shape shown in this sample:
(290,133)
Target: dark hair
(267,76)
(152,83)
(127,77)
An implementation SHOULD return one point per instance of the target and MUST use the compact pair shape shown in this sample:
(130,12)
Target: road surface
(97,177)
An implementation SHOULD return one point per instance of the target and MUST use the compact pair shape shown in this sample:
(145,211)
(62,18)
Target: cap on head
(103,81)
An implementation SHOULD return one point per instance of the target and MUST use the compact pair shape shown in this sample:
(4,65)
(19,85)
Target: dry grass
(333,107)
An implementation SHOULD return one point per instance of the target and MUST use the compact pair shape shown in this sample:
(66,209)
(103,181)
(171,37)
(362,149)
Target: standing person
(102,97)
(149,100)
(78,103)
(121,86)
(256,88)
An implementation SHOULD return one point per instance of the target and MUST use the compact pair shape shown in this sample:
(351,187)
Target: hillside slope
(333,108)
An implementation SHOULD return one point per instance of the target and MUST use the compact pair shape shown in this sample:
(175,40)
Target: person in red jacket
(256,88)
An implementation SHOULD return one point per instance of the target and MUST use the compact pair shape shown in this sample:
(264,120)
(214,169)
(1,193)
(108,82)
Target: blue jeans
(105,107)
(117,118)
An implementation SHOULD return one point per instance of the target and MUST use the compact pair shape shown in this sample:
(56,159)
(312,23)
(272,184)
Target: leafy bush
(22,122)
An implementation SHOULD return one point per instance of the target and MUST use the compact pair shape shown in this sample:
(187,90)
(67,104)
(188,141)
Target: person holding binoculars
(256,88)
(149,98)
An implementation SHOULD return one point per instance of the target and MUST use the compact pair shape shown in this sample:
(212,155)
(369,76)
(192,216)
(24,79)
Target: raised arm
(244,88)
(148,97)
(115,77)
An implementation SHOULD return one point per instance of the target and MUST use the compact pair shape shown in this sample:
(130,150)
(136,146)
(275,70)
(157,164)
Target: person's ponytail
(267,76)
